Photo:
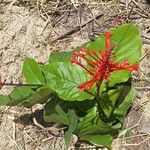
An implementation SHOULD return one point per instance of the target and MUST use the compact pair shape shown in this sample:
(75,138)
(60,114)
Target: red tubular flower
(101,65)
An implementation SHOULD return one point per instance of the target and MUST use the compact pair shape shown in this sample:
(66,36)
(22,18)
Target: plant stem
(99,105)
(21,84)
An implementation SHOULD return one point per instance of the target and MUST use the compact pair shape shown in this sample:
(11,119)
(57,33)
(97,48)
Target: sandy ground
(32,27)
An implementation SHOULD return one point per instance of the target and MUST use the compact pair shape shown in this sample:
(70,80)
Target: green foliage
(64,78)
(60,57)
(56,111)
(128,44)
(32,72)
(94,130)
(92,124)
(4,100)
(26,96)
(109,99)
(40,96)
(19,95)
(56,86)
(99,139)
(73,122)
(125,101)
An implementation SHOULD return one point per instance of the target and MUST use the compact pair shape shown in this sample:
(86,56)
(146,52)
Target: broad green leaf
(64,78)
(91,127)
(4,100)
(20,94)
(128,46)
(40,96)
(53,112)
(80,107)
(119,77)
(60,57)
(57,110)
(91,124)
(125,101)
(128,43)
(32,72)
(73,122)
(26,96)
(108,100)
(99,140)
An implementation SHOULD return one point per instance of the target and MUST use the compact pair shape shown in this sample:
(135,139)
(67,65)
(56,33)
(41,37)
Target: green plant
(92,93)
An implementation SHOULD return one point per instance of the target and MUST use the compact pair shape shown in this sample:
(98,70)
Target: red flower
(101,65)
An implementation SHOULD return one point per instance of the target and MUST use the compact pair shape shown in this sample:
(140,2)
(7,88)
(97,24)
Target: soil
(35,28)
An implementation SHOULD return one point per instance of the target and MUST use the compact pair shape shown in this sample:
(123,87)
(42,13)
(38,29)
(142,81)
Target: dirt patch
(35,28)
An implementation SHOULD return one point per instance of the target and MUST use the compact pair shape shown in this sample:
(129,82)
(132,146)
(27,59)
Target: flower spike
(101,64)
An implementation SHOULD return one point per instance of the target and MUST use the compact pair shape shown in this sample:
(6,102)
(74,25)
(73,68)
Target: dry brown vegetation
(35,28)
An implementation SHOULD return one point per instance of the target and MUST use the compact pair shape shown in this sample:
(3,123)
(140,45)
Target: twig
(143,88)
(145,41)
(130,128)
(15,142)
(29,137)
(44,27)
(144,56)
(51,129)
(146,37)
(76,28)
(140,8)
(46,139)
(141,15)
(135,136)
(20,84)
(136,144)
(87,147)
(130,12)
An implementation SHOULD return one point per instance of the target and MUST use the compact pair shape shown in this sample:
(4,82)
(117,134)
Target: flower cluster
(99,65)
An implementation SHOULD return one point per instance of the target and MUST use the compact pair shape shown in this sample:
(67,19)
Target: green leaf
(4,100)
(54,112)
(40,96)
(91,124)
(128,43)
(91,127)
(128,46)
(26,96)
(72,126)
(99,140)
(57,110)
(19,94)
(125,101)
(60,57)
(108,100)
(32,72)
(64,78)
(119,76)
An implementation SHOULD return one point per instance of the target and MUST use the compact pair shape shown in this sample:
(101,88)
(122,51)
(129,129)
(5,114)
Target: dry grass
(35,28)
